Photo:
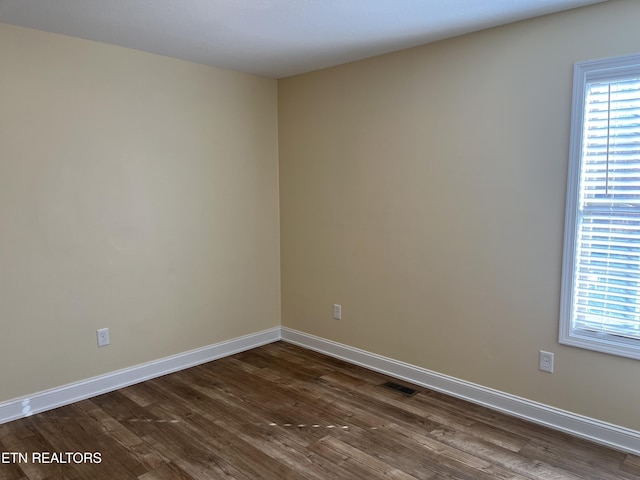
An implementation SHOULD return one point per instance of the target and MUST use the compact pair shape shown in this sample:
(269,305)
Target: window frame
(607,69)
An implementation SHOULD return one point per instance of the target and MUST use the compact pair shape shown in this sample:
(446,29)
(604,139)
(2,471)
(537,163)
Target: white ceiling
(274,38)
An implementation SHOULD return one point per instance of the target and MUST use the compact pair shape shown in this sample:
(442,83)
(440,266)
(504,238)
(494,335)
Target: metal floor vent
(407,391)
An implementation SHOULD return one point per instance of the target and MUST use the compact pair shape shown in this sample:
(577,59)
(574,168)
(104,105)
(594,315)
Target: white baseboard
(613,436)
(67,394)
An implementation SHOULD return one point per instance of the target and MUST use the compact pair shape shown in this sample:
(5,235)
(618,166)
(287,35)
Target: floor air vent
(400,388)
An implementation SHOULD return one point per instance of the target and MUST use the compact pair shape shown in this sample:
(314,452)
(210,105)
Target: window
(600,307)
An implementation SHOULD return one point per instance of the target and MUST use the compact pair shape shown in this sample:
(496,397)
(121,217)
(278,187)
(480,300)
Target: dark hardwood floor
(282,412)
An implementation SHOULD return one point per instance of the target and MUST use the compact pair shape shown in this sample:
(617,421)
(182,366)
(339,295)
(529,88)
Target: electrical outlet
(337,312)
(546,361)
(103,337)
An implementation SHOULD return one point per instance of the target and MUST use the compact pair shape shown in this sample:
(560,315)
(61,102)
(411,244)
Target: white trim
(74,392)
(606,69)
(597,431)
(613,436)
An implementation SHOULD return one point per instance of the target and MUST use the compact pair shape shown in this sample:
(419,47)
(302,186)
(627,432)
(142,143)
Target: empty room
(286,239)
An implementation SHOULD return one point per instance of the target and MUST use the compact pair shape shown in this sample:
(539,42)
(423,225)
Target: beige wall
(137,192)
(424,191)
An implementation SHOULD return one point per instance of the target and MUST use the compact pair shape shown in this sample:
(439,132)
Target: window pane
(606,288)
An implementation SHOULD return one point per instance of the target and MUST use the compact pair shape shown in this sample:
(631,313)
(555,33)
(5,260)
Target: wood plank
(283,412)
(67,429)
(526,467)
(12,470)
(631,465)
(356,463)
(166,471)
(427,455)
(277,442)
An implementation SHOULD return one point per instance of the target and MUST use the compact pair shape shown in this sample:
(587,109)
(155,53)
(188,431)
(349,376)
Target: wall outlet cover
(103,337)
(546,361)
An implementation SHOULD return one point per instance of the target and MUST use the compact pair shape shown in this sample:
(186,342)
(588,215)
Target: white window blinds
(606,295)
(601,277)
